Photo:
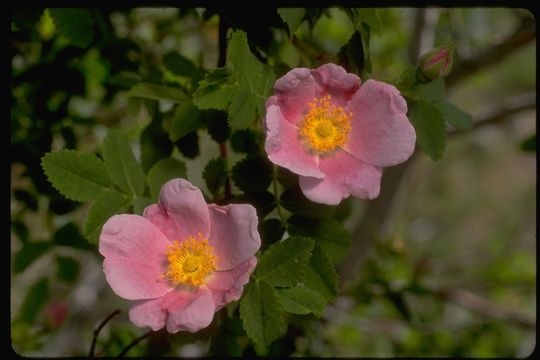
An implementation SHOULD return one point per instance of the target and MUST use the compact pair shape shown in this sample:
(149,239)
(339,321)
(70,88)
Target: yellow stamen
(325,126)
(190,261)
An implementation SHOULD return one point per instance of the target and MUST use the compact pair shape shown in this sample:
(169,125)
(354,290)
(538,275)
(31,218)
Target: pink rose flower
(181,261)
(337,135)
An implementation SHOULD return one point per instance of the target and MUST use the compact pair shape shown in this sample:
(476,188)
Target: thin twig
(278,203)
(135,342)
(98,330)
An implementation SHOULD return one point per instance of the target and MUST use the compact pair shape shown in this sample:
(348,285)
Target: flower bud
(55,314)
(437,63)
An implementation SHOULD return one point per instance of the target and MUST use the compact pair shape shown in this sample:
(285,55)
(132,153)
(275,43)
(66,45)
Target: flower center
(190,261)
(325,126)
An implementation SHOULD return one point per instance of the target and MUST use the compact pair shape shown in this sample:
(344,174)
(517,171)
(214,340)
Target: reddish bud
(436,63)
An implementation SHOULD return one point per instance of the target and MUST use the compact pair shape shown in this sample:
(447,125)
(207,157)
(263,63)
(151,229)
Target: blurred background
(443,263)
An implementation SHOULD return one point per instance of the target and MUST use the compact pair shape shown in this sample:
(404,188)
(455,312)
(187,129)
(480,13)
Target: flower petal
(234,234)
(284,148)
(149,313)
(228,286)
(336,82)
(189,310)
(294,91)
(345,175)
(380,134)
(134,251)
(182,211)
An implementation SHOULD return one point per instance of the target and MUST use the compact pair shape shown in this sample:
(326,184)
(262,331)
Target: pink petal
(380,134)
(182,211)
(234,234)
(227,286)
(134,252)
(294,91)
(189,310)
(336,82)
(345,176)
(284,148)
(149,313)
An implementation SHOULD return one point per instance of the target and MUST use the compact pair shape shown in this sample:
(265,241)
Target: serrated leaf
(121,164)
(292,17)
(253,173)
(157,92)
(182,66)
(28,254)
(76,175)
(75,24)
(261,313)
(187,118)
(215,91)
(215,174)
(108,204)
(243,108)
(284,263)
(67,268)
(34,300)
(218,128)
(330,234)
(454,115)
(301,300)
(430,127)
(321,275)
(189,145)
(163,171)
(431,91)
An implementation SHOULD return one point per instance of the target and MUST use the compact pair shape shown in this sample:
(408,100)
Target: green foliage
(157,92)
(529,144)
(329,234)
(163,171)
(76,175)
(454,115)
(271,231)
(253,173)
(181,66)
(292,17)
(34,300)
(296,202)
(218,129)
(430,127)
(121,164)
(187,118)
(110,202)
(75,24)
(215,174)
(246,141)
(28,254)
(242,87)
(321,275)
(262,313)
(302,300)
(284,263)
(67,268)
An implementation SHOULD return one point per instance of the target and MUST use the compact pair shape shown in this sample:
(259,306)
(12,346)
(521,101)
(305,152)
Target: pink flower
(337,135)
(181,261)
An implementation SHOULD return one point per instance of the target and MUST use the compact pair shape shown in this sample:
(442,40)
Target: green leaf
(218,128)
(430,127)
(182,66)
(215,91)
(187,118)
(157,92)
(454,115)
(215,174)
(76,175)
(108,204)
(120,162)
(67,268)
(262,313)
(140,203)
(431,91)
(28,254)
(354,52)
(296,202)
(188,145)
(34,300)
(253,173)
(330,234)
(368,16)
(271,231)
(155,144)
(292,17)
(163,171)
(301,300)
(75,24)
(246,141)
(321,275)
(284,263)
(69,235)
